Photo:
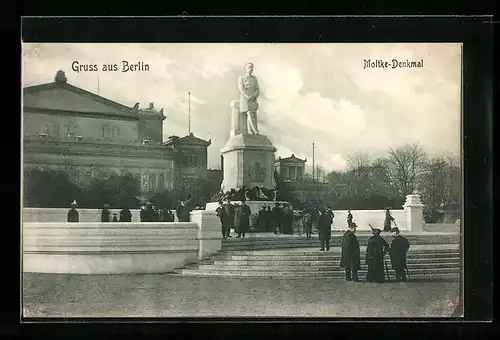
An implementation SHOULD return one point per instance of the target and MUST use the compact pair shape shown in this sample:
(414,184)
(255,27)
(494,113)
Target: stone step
(338,274)
(334,250)
(331,257)
(270,246)
(430,261)
(324,267)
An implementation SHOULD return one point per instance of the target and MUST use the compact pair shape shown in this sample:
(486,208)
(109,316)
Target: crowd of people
(148,213)
(376,250)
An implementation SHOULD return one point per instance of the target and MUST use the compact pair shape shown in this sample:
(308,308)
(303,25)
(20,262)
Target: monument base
(248,161)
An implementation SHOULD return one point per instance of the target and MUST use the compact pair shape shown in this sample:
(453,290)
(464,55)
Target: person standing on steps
(228,216)
(324,229)
(388,220)
(375,252)
(350,258)
(183,212)
(278,217)
(242,219)
(397,252)
(307,222)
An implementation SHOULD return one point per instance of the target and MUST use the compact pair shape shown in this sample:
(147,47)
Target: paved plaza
(165,295)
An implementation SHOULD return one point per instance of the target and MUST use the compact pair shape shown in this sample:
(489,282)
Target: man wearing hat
(278,218)
(325,229)
(73,215)
(242,219)
(397,252)
(262,219)
(350,258)
(183,212)
(375,251)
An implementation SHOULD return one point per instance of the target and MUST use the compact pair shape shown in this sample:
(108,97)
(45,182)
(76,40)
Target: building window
(78,178)
(88,176)
(161,182)
(152,182)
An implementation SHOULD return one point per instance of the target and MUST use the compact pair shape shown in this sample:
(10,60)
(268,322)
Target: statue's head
(249,68)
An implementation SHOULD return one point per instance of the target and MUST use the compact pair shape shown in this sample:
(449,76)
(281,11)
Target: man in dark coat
(278,218)
(397,252)
(73,215)
(262,219)
(228,216)
(183,212)
(350,258)
(388,220)
(105,214)
(115,218)
(375,251)
(242,219)
(125,215)
(270,220)
(324,229)
(220,214)
(287,220)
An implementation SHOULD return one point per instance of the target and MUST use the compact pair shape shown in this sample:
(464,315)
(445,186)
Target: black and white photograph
(241,180)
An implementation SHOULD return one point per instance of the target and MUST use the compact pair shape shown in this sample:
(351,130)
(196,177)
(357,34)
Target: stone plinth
(414,213)
(248,161)
(209,232)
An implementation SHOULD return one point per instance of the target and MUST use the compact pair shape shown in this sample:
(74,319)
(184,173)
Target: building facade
(291,169)
(89,136)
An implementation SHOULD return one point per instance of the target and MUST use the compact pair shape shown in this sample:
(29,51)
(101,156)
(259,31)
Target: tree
(358,160)
(48,189)
(285,193)
(116,190)
(405,167)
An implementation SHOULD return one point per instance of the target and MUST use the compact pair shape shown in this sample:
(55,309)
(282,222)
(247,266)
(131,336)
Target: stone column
(209,233)
(235,118)
(414,210)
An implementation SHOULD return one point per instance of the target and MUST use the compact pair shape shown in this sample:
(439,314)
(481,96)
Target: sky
(317,93)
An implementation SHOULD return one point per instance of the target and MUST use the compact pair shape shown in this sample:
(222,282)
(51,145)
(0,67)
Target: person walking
(388,220)
(349,218)
(350,257)
(397,252)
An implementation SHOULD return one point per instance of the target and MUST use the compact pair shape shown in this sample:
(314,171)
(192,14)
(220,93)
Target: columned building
(291,169)
(88,136)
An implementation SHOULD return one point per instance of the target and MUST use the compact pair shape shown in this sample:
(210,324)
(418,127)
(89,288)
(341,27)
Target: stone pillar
(209,233)
(414,210)
(235,118)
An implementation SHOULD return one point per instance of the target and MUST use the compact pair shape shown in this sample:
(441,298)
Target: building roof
(190,139)
(59,96)
(292,158)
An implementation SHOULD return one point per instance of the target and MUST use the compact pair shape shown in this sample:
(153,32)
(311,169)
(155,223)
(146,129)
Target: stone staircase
(431,257)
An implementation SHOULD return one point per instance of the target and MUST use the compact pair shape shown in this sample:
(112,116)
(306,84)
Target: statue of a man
(249,91)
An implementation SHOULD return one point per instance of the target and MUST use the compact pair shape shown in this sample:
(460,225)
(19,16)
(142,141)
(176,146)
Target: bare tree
(357,160)
(406,166)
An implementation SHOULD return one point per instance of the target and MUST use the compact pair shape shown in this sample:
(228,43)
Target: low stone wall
(32,215)
(364,217)
(118,248)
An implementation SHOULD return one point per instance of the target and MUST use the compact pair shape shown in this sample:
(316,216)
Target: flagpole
(189,113)
(97,84)
(314,169)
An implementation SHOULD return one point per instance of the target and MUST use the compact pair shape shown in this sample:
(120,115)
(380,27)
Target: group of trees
(384,182)
(53,189)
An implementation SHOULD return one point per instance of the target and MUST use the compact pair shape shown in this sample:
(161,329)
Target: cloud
(309,92)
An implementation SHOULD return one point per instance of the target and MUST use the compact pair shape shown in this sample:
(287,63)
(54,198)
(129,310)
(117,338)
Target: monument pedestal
(248,161)
(414,213)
